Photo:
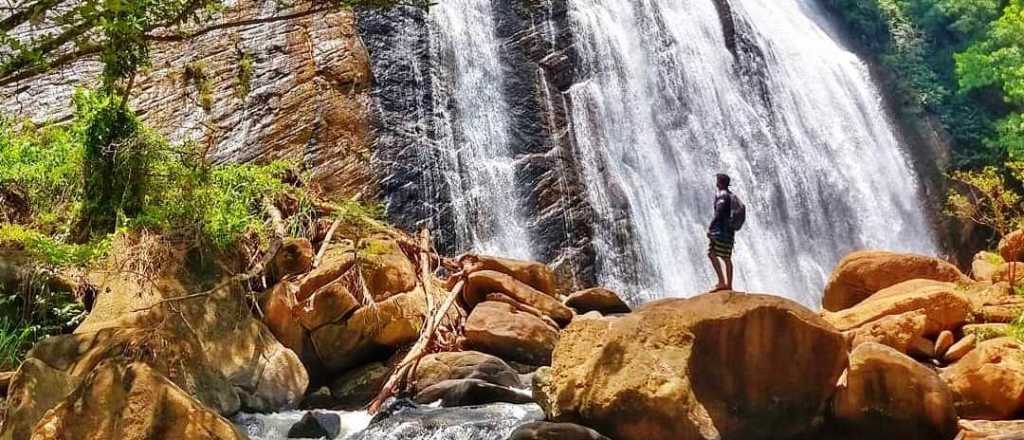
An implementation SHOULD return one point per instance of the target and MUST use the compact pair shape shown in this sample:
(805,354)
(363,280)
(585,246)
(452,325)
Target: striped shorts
(720,248)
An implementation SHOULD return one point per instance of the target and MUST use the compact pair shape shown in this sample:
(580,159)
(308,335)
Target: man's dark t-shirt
(720,229)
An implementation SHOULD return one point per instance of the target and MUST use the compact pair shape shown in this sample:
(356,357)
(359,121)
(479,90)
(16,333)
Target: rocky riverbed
(906,346)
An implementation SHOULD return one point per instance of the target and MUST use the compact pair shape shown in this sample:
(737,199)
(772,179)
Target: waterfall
(789,114)
(640,103)
(473,129)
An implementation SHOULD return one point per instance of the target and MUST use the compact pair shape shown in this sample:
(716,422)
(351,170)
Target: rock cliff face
(296,89)
(536,44)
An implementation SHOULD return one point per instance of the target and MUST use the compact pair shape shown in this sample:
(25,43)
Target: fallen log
(418,350)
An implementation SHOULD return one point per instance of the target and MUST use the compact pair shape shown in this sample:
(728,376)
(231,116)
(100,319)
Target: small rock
(468,392)
(357,387)
(922,348)
(316,425)
(294,256)
(318,399)
(555,431)
(984,265)
(597,299)
(960,348)
(943,342)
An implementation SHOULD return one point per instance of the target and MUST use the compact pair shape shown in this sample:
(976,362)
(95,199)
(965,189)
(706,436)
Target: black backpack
(737,212)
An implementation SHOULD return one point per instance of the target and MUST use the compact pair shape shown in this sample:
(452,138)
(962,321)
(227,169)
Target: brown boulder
(536,275)
(1011,247)
(336,262)
(988,383)
(481,283)
(897,331)
(386,269)
(861,274)
(722,365)
(499,329)
(942,305)
(278,306)
(131,402)
(328,304)
(555,431)
(984,265)
(357,387)
(597,299)
(370,332)
(438,367)
(295,256)
(992,429)
(468,392)
(889,395)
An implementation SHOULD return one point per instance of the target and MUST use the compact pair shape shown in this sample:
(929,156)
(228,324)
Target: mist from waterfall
(473,129)
(793,118)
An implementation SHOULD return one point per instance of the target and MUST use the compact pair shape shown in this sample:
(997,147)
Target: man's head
(722,181)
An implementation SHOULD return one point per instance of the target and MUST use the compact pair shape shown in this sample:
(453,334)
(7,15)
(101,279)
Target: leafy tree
(988,198)
(997,60)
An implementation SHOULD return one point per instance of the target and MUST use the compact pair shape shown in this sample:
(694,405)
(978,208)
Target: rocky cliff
(296,88)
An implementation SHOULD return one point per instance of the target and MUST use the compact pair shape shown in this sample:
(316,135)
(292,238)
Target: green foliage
(118,156)
(50,250)
(246,65)
(214,204)
(15,341)
(44,165)
(198,74)
(32,314)
(985,197)
(917,40)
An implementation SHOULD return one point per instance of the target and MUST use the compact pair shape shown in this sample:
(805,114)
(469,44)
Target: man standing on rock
(729,217)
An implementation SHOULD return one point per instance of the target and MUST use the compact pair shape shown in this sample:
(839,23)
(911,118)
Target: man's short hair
(723,179)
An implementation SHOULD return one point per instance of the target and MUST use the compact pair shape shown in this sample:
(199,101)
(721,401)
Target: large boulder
(988,383)
(386,269)
(536,275)
(371,332)
(943,306)
(1011,247)
(861,274)
(57,366)
(470,392)
(716,366)
(500,329)
(889,395)
(597,299)
(481,283)
(555,431)
(438,367)
(133,401)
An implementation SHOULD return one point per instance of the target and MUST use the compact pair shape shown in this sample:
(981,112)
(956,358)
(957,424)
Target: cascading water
(473,129)
(791,115)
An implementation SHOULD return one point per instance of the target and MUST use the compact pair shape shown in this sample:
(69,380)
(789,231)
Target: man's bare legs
(728,273)
(722,284)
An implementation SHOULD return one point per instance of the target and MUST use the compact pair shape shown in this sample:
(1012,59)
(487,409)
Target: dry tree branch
(417,351)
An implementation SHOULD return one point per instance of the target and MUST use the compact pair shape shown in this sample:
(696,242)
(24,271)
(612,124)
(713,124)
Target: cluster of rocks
(907,347)
(511,312)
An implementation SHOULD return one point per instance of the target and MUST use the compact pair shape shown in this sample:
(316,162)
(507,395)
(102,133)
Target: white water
(473,129)
(275,426)
(819,167)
